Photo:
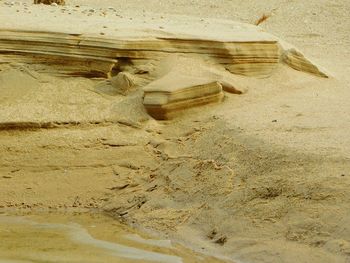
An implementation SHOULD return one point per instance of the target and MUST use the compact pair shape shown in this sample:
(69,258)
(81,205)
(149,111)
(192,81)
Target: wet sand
(262,177)
(82,237)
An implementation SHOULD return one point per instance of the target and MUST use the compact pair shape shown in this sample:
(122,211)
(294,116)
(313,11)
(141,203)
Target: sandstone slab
(100,45)
(169,95)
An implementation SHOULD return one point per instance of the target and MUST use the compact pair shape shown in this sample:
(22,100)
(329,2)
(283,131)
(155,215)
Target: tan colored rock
(62,64)
(122,83)
(169,95)
(295,59)
(59,46)
(198,68)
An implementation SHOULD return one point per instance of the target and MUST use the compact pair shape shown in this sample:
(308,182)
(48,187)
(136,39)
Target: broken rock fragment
(169,95)
(122,83)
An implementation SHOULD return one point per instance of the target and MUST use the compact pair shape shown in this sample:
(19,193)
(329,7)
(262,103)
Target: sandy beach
(263,176)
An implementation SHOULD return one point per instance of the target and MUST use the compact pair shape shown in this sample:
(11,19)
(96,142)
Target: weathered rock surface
(199,68)
(206,55)
(172,93)
(184,82)
(294,58)
(57,46)
(121,84)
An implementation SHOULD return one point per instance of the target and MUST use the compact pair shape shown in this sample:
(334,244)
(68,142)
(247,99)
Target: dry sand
(262,177)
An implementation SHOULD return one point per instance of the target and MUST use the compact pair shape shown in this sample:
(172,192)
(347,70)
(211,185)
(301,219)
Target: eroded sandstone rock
(59,47)
(199,68)
(169,95)
(123,83)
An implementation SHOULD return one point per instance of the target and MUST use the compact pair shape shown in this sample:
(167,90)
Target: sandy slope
(268,170)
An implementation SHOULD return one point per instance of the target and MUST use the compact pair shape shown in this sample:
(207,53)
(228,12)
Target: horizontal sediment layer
(84,55)
(32,125)
(168,111)
(50,37)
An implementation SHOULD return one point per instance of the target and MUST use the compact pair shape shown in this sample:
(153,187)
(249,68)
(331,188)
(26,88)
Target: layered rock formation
(104,44)
(184,82)
(169,95)
(84,55)
(207,52)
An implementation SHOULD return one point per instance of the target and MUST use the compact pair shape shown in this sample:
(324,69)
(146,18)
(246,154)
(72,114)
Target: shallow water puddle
(82,238)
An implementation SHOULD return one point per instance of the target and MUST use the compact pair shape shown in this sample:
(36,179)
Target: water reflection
(82,238)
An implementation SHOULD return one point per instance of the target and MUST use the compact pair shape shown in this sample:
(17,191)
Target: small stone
(212,234)
(122,83)
(221,241)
